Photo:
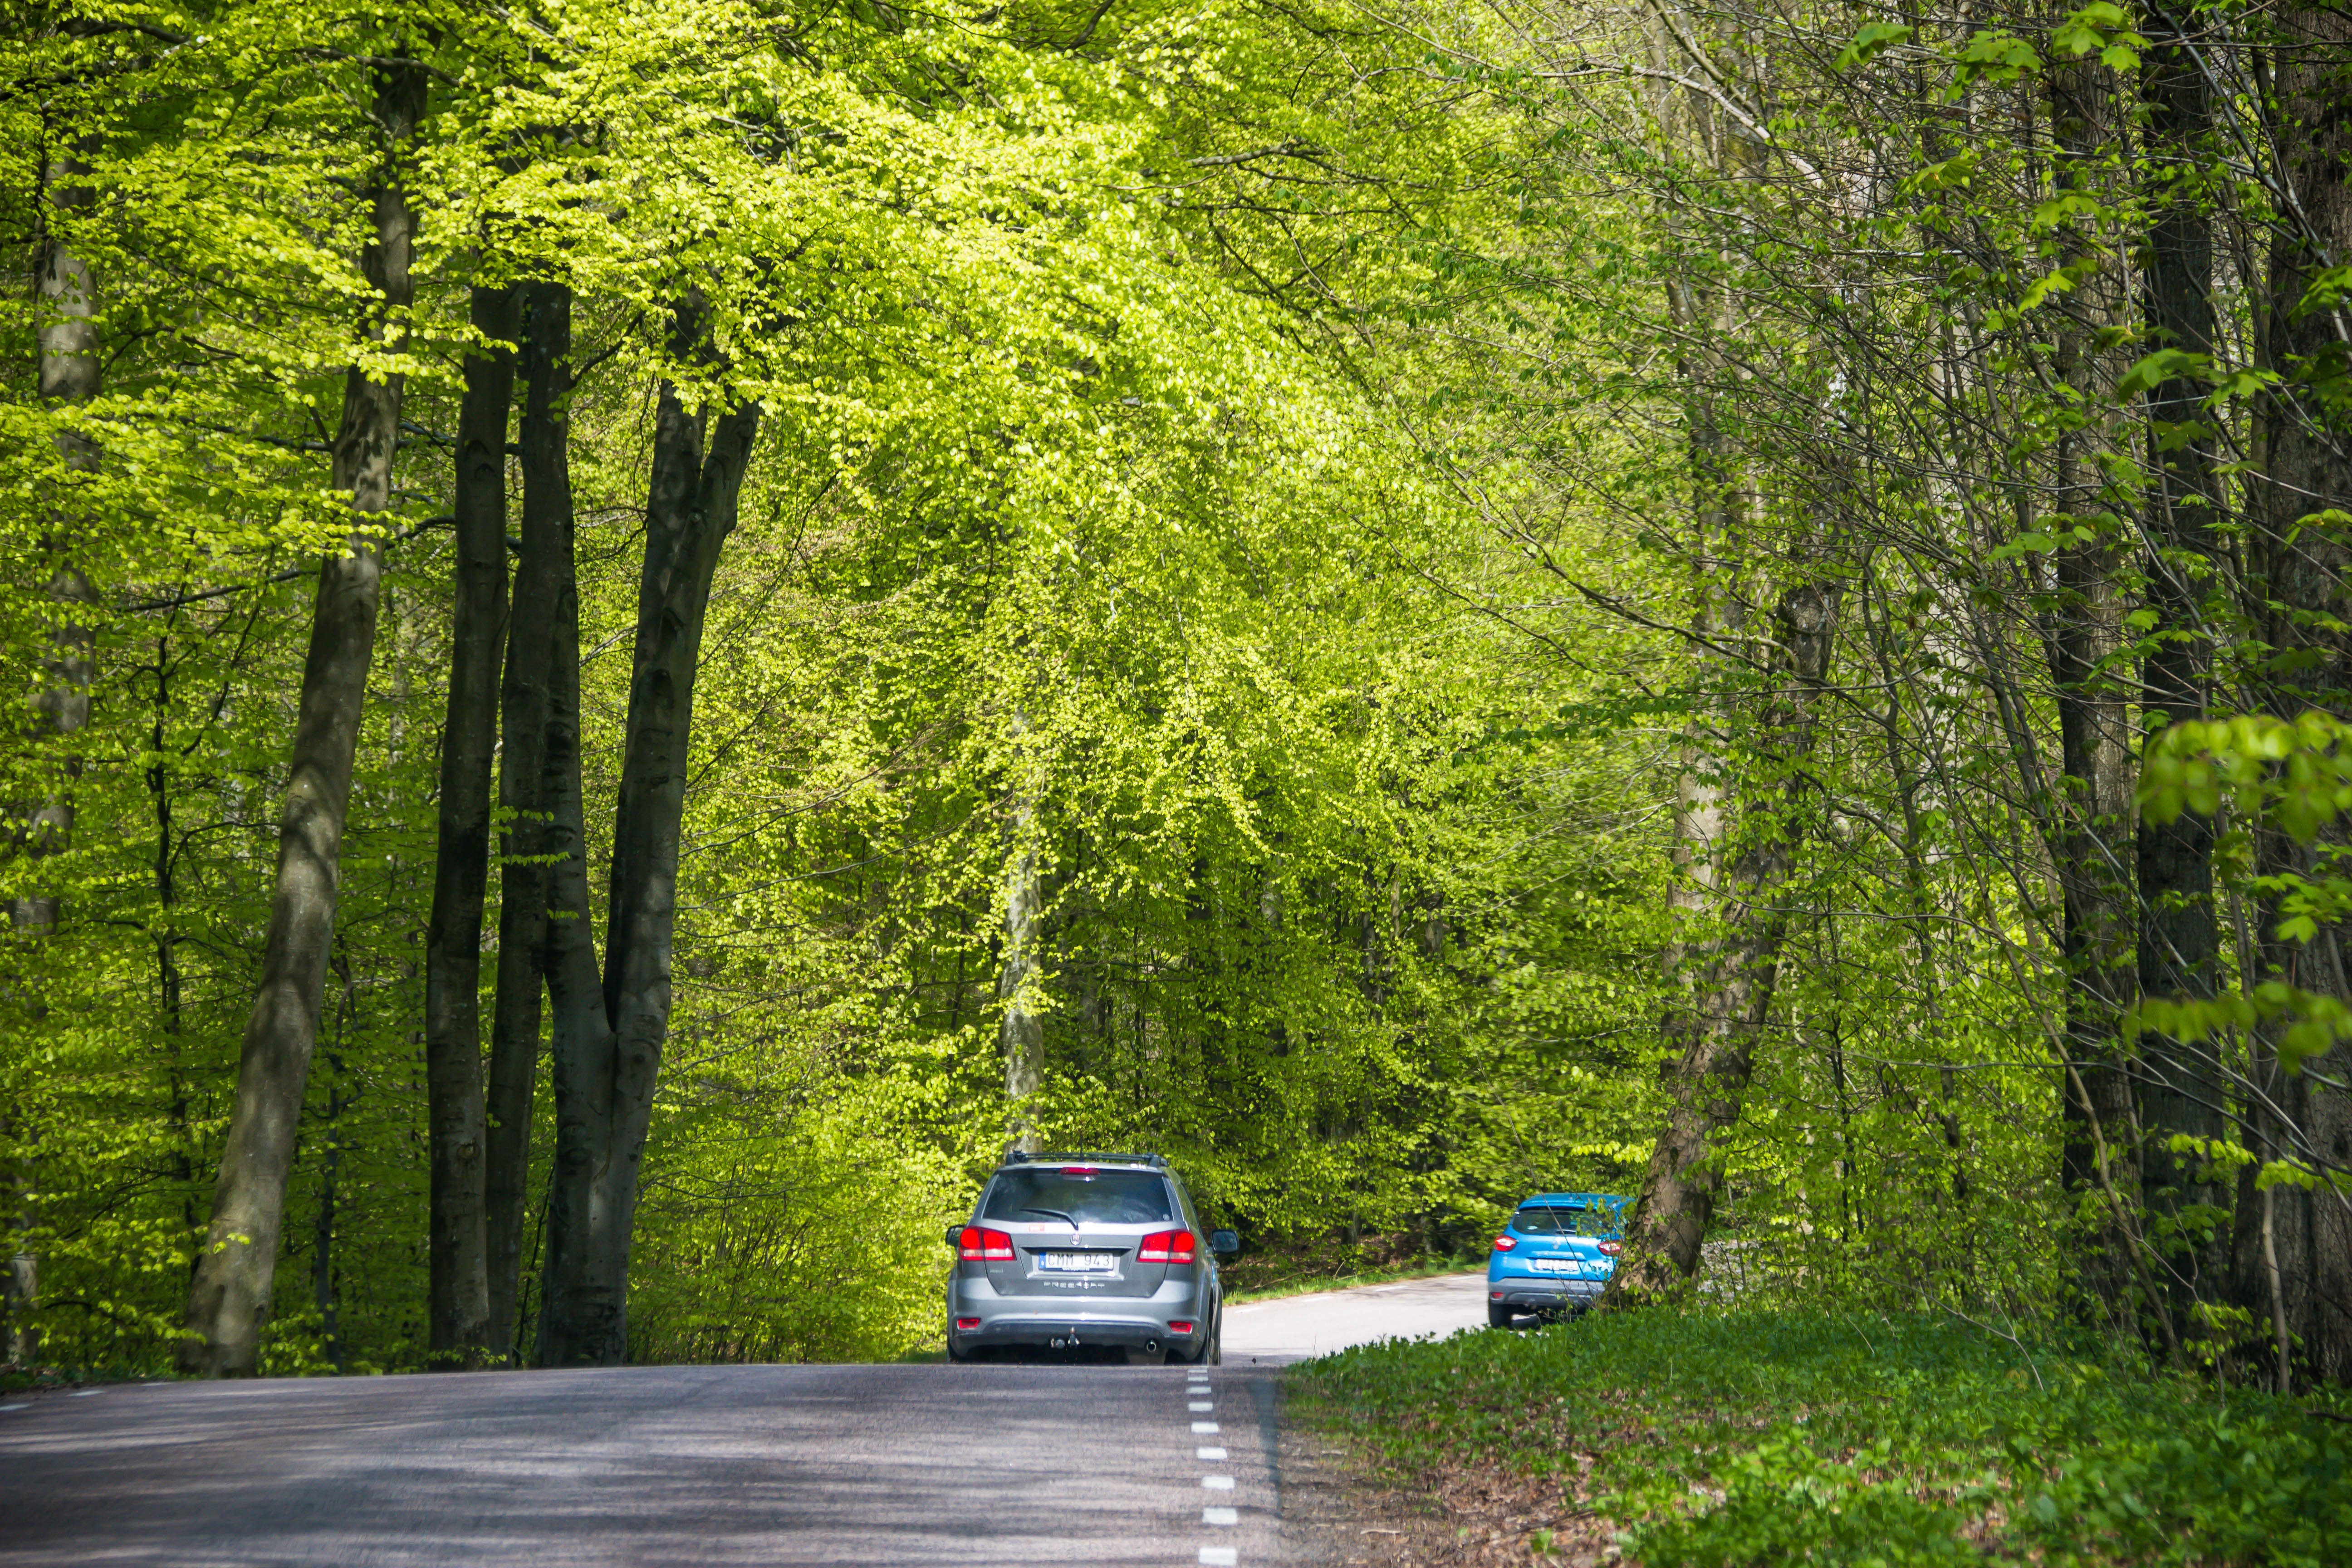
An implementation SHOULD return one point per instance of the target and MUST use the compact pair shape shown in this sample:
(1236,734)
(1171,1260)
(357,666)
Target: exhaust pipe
(1151,1347)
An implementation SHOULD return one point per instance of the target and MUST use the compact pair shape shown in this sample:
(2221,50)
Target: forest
(639,630)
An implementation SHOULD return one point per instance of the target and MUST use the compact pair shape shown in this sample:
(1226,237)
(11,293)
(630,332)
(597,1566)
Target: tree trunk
(229,1301)
(522,908)
(2301,1271)
(2088,827)
(1733,972)
(582,1319)
(69,373)
(458,1291)
(2180,1083)
(609,1039)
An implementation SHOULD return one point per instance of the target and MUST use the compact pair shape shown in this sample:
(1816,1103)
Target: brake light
(1179,1328)
(977,1246)
(967,1322)
(1081,1170)
(1504,1244)
(1167,1246)
(1610,1249)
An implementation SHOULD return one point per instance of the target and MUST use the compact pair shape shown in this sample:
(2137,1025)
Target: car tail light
(1504,1244)
(1610,1250)
(967,1322)
(1167,1246)
(977,1246)
(1081,1170)
(1179,1328)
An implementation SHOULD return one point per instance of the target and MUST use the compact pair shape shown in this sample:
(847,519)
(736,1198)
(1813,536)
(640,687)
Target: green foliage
(1064,494)
(1739,1437)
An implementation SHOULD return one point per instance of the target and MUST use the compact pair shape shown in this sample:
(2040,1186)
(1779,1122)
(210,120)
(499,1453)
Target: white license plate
(1078,1262)
(1555,1265)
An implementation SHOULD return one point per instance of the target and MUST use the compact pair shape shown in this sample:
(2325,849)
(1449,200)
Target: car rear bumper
(1544,1295)
(1029,1319)
(1073,1329)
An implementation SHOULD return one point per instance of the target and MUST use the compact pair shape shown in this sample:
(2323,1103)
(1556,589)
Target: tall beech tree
(2088,819)
(1733,965)
(525,692)
(460,1305)
(70,373)
(2293,1248)
(229,1299)
(2180,1082)
(610,1029)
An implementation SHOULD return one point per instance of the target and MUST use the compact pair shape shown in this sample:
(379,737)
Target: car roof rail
(1612,1201)
(1067,1157)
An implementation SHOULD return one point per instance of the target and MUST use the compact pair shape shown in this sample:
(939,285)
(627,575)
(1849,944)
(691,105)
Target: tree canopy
(645,628)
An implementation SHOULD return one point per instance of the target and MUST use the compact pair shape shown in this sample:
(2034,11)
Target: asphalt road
(1293,1328)
(876,1466)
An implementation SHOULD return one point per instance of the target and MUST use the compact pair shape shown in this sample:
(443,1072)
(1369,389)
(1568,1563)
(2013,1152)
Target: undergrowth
(1749,1438)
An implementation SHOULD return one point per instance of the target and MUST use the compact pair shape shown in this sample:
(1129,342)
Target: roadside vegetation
(1711,1439)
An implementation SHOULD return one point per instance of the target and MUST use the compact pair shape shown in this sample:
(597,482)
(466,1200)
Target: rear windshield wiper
(1057,1214)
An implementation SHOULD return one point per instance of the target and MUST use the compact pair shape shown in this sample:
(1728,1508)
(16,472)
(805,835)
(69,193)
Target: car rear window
(1535,1220)
(1097,1197)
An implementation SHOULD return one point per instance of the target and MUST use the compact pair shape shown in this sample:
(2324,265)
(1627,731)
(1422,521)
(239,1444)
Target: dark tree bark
(544,563)
(609,1036)
(458,1289)
(2181,1084)
(582,1317)
(2292,1263)
(229,1301)
(2089,827)
(1732,973)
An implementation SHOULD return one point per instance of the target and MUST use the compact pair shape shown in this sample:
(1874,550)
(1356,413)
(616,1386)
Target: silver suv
(1072,1250)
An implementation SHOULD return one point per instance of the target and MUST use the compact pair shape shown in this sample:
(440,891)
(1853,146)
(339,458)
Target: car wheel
(959,1357)
(1216,1356)
(1498,1316)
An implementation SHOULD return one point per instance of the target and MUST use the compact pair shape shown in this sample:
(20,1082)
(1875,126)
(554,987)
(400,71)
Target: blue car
(1556,1255)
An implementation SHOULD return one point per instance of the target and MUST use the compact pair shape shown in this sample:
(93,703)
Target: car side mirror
(1224,1243)
(955,1235)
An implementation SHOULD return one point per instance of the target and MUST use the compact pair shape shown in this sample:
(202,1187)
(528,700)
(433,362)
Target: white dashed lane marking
(1201,1401)
(1197,1453)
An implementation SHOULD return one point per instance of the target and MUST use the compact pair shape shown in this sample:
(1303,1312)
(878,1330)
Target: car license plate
(1555,1265)
(1078,1262)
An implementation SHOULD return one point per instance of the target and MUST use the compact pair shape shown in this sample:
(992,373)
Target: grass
(1706,1440)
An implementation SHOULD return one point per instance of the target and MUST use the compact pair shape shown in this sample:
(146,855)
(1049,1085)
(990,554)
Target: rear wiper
(1057,1214)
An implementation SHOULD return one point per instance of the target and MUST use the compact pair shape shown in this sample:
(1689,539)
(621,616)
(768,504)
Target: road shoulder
(1340,1506)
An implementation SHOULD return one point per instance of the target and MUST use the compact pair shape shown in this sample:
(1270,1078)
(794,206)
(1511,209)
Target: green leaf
(1874,37)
